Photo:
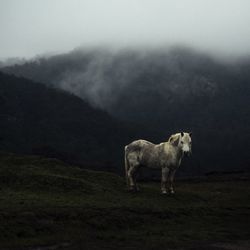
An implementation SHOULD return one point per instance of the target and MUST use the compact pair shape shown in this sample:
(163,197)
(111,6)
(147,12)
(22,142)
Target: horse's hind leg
(131,177)
(135,179)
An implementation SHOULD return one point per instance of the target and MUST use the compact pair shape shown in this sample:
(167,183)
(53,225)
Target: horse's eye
(181,142)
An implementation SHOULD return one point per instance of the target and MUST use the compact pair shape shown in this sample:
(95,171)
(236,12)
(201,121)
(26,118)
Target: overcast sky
(31,27)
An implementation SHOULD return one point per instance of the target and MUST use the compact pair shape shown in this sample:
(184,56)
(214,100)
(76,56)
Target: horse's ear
(190,134)
(182,134)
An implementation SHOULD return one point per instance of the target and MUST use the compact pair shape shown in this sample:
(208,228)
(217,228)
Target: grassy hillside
(45,203)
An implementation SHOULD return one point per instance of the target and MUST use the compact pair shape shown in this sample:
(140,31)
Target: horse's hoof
(164,192)
(132,190)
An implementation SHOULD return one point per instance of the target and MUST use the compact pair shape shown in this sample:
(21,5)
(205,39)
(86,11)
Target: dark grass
(46,203)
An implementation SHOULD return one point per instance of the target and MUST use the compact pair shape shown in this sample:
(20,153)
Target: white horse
(166,156)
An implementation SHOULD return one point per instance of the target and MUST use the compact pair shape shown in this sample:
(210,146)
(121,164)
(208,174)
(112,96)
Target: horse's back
(138,145)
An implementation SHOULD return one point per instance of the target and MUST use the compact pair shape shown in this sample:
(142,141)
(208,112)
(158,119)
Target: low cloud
(32,27)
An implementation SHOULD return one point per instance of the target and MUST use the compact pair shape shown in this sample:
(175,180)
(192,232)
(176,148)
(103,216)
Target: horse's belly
(153,166)
(151,163)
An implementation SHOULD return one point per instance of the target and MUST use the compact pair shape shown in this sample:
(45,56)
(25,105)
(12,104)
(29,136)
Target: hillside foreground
(47,204)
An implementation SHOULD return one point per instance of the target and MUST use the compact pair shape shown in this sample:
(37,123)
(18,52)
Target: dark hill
(166,91)
(38,119)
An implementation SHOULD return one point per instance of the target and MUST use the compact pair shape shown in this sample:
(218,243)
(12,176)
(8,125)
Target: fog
(29,28)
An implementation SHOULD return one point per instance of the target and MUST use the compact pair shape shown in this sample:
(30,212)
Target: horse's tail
(126,165)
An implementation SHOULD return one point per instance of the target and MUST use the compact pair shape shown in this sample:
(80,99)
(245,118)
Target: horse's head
(183,141)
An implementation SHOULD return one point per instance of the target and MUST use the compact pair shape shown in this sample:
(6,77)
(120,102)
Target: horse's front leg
(171,180)
(164,178)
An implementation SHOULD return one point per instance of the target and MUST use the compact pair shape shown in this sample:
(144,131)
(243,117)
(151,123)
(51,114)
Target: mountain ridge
(163,91)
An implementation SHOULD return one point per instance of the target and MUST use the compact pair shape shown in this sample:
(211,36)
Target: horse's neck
(174,150)
(179,153)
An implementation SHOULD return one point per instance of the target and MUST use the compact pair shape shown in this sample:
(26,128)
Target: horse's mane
(174,137)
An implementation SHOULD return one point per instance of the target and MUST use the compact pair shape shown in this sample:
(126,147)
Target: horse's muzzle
(187,153)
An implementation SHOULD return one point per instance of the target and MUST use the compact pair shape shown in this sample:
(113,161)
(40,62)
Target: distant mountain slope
(38,119)
(105,78)
(166,91)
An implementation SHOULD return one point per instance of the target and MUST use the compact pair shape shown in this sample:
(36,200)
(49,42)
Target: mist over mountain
(101,75)
(165,91)
(12,61)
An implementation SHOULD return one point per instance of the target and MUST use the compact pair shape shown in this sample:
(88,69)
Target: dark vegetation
(165,91)
(38,119)
(47,204)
